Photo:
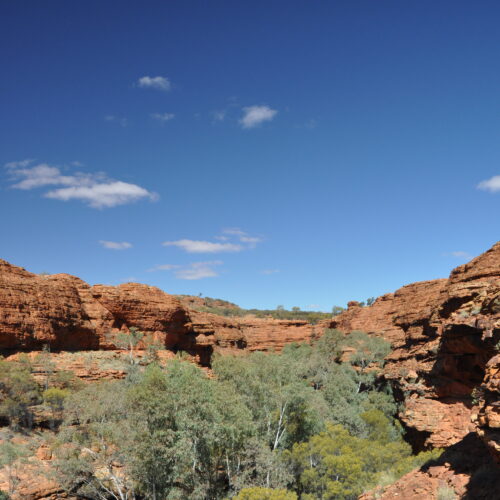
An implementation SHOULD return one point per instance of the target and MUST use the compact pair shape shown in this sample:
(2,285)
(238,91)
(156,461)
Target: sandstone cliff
(65,313)
(444,365)
(445,370)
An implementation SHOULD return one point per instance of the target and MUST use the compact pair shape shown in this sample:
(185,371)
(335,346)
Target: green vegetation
(314,422)
(18,393)
(10,457)
(265,494)
(446,493)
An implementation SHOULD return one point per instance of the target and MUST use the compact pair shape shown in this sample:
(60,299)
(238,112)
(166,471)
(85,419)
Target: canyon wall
(444,365)
(445,370)
(66,314)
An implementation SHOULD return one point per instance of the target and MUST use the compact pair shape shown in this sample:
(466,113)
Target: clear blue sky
(302,153)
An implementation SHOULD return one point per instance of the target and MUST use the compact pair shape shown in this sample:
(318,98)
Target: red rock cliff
(67,314)
(443,334)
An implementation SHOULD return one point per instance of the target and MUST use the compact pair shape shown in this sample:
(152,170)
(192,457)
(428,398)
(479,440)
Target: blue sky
(302,153)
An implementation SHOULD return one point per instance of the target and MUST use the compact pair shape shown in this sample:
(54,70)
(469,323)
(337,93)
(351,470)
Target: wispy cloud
(162,117)
(231,240)
(115,245)
(219,116)
(492,185)
(251,240)
(269,271)
(18,164)
(197,246)
(164,267)
(193,271)
(312,123)
(154,82)
(234,231)
(254,116)
(242,236)
(459,254)
(198,270)
(123,122)
(96,190)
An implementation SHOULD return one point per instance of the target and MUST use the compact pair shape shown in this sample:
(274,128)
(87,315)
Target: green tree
(94,442)
(285,408)
(54,397)
(18,393)
(10,457)
(128,341)
(195,431)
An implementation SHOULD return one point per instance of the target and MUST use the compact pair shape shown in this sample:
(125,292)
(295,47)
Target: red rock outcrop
(444,365)
(443,333)
(65,313)
(488,416)
(465,470)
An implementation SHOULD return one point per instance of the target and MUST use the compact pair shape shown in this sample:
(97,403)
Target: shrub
(18,391)
(446,493)
(265,494)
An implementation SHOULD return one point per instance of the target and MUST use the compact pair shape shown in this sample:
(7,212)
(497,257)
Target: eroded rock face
(65,313)
(488,416)
(444,334)
(465,470)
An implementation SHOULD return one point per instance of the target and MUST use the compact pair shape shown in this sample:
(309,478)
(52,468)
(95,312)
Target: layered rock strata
(65,313)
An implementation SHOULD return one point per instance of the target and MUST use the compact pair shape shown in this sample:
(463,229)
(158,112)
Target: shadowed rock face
(445,369)
(443,334)
(66,313)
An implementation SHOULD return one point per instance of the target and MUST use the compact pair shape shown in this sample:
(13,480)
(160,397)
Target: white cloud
(256,115)
(162,117)
(115,245)
(46,175)
(251,240)
(123,122)
(235,231)
(196,246)
(94,189)
(198,270)
(164,267)
(242,236)
(193,271)
(103,195)
(154,82)
(492,185)
(270,271)
(18,164)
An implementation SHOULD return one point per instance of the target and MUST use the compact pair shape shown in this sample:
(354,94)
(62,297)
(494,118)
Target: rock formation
(444,366)
(445,369)
(65,313)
